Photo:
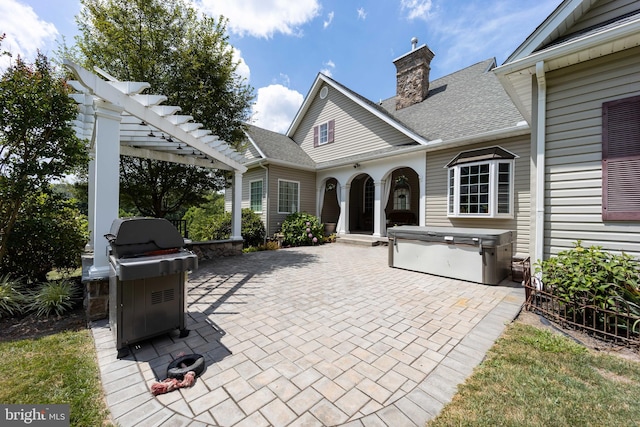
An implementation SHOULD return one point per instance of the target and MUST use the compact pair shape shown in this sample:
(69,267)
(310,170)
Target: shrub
(302,229)
(50,234)
(12,298)
(591,276)
(54,297)
(218,227)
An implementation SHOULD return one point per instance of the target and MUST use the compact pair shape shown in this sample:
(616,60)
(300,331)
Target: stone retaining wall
(216,248)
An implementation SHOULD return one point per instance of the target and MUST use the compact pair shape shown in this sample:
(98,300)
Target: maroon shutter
(315,136)
(621,160)
(332,126)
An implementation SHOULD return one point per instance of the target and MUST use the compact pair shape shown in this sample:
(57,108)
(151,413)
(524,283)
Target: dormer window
(324,133)
(480,184)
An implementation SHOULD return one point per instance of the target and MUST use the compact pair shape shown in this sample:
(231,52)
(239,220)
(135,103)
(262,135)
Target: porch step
(362,240)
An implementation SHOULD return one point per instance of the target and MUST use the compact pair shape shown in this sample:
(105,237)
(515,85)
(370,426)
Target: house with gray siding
(452,151)
(576,81)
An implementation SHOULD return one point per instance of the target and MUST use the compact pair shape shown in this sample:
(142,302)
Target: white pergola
(118,120)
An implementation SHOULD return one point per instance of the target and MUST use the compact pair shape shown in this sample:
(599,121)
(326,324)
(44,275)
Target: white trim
(565,14)
(253,143)
(326,124)
(298,196)
(492,190)
(261,195)
(627,30)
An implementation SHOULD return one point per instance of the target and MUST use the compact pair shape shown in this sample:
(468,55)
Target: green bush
(218,227)
(302,229)
(12,298)
(199,218)
(50,234)
(54,297)
(591,276)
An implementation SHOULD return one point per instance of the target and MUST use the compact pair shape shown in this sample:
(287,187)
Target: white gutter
(625,36)
(266,171)
(521,128)
(259,162)
(540,160)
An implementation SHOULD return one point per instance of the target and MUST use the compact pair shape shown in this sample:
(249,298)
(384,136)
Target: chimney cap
(414,42)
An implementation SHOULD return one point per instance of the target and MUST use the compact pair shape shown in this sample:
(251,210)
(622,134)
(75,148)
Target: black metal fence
(618,326)
(181,225)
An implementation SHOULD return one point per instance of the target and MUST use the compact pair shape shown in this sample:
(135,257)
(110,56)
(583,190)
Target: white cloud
(25,31)
(243,69)
(275,107)
(329,20)
(263,18)
(417,9)
(362,14)
(501,25)
(329,66)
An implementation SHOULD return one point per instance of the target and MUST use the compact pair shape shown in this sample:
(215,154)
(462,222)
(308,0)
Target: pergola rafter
(118,119)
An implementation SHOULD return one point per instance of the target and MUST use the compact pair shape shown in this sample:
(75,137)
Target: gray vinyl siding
(357,130)
(436,197)
(573,173)
(603,11)
(307,182)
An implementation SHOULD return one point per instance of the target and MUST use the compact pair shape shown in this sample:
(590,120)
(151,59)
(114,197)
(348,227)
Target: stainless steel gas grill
(147,280)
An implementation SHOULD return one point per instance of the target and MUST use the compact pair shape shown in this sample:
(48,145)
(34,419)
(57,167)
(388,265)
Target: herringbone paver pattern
(322,336)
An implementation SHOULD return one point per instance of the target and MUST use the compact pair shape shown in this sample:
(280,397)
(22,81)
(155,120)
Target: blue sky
(283,44)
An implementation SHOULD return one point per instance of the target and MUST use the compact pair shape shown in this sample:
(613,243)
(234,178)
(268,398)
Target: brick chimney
(412,75)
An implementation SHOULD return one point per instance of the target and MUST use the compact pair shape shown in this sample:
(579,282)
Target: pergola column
(106,183)
(236,207)
(91,199)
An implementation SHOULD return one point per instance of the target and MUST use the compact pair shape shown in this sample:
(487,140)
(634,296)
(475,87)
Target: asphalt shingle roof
(279,147)
(462,104)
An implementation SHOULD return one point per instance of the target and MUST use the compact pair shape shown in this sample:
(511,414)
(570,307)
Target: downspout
(266,218)
(540,159)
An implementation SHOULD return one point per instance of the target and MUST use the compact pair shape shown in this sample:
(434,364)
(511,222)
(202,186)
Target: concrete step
(362,240)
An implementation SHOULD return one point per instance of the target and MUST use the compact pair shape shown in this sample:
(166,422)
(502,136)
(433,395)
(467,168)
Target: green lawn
(532,377)
(55,369)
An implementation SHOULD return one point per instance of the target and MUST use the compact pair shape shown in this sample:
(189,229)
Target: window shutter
(315,136)
(621,160)
(332,126)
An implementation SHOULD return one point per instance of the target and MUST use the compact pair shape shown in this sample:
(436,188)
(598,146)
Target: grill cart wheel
(191,362)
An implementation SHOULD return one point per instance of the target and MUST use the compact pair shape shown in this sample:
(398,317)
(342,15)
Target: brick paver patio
(313,336)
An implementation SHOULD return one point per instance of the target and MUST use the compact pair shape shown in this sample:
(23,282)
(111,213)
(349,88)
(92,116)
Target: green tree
(37,142)
(183,55)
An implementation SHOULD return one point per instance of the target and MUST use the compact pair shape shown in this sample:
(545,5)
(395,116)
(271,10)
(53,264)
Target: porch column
(422,208)
(343,220)
(106,185)
(236,207)
(377,209)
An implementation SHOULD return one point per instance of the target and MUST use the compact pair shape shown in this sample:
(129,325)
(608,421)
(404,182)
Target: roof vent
(414,43)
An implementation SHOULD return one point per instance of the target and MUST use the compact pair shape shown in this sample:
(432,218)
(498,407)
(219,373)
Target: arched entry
(402,206)
(361,204)
(330,208)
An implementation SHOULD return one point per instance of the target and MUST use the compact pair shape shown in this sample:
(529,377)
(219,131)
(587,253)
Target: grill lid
(143,236)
